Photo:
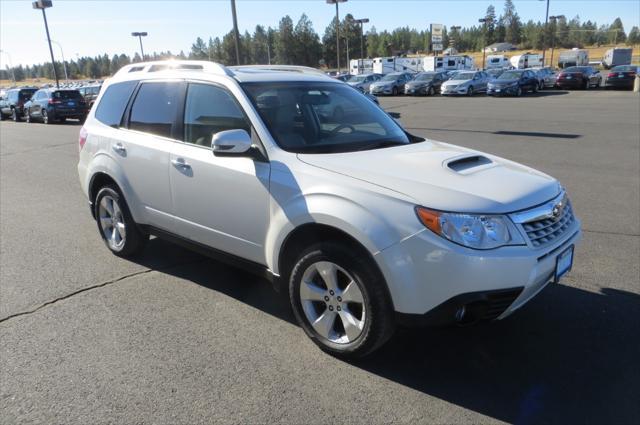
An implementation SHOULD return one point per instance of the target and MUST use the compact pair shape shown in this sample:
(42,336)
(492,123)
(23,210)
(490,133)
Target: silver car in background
(546,77)
(391,83)
(363,82)
(425,83)
(466,83)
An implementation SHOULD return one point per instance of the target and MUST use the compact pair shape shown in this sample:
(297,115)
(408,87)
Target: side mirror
(231,142)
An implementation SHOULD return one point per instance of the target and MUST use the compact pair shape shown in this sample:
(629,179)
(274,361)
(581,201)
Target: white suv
(307,181)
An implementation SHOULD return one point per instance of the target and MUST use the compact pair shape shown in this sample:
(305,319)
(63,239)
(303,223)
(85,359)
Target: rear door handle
(181,163)
(119,147)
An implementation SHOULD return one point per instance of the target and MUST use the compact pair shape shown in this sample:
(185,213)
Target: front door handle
(119,147)
(181,163)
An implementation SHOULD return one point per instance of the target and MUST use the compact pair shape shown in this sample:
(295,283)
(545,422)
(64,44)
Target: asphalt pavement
(173,337)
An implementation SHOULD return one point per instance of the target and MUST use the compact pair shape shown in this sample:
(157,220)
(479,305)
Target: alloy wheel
(14,115)
(112,222)
(332,302)
(45,116)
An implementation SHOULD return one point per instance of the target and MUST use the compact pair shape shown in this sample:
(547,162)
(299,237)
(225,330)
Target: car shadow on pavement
(569,356)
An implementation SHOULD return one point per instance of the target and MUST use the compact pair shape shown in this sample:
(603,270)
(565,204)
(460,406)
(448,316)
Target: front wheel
(14,115)
(27,116)
(394,91)
(470,91)
(519,92)
(431,91)
(340,300)
(45,117)
(115,223)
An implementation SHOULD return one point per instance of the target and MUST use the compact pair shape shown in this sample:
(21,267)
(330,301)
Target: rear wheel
(431,91)
(587,86)
(27,116)
(394,91)
(535,88)
(14,115)
(340,300)
(519,92)
(115,223)
(45,117)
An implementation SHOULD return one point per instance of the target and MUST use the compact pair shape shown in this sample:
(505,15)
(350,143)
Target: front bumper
(381,90)
(502,91)
(416,91)
(425,272)
(446,91)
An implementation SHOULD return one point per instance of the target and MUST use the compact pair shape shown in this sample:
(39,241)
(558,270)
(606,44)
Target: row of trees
(300,44)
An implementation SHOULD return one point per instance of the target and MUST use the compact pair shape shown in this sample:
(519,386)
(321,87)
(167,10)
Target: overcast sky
(86,27)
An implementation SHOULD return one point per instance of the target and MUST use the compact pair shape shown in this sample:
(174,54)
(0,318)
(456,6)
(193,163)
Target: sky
(88,28)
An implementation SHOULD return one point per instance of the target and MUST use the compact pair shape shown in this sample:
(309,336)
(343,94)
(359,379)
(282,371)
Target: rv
(617,56)
(573,57)
(497,62)
(361,66)
(528,60)
(447,63)
(391,64)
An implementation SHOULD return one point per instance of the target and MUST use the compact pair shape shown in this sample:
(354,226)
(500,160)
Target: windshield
(624,68)
(463,76)
(510,75)
(358,79)
(424,77)
(312,117)
(390,77)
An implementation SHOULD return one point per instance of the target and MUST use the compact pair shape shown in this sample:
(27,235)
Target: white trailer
(528,60)
(617,56)
(497,62)
(391,64)
(361,66)
(447,63)
(573,57)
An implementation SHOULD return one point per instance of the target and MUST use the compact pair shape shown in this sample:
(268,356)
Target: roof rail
(186,65)
(285,68)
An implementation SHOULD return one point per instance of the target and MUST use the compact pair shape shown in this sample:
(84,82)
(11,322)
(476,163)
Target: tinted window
(26,94)
(66,94)
(209,110)
(113,103)
(155,108)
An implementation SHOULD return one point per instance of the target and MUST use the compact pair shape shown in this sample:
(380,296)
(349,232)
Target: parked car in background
(362,82)
(546,77)
(621,76)
(466,83)
(391,83)
(55,105)
(495,72)
(12,104)
(90,94)
(425,83)
(578,77)
(514,83)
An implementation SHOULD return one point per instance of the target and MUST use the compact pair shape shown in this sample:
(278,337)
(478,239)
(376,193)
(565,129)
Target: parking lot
(86,337)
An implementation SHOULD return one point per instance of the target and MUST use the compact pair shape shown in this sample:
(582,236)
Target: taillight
(612,74)
(54,102)
(82,138)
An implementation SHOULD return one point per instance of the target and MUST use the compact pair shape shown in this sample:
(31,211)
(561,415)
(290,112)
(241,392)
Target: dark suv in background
(90,94)
(12,103)
(51,105)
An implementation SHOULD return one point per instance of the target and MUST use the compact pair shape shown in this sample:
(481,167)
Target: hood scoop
(469,164)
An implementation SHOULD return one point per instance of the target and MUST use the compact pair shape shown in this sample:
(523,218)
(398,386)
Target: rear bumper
(619,83)
(570,84)
(67,113)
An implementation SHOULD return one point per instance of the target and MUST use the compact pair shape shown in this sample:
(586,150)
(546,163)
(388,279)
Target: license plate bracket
(564,263)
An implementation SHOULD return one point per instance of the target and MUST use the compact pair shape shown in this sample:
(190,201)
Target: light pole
(454,35)
(553,36)
(64,64)
(13,74)
(484,38)
(42,5)
(362,22)
(236,34)
(140,35)
(336,2)
(546,29)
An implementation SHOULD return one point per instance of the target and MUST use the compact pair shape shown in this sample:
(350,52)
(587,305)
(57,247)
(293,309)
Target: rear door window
(156,107)
(113,103)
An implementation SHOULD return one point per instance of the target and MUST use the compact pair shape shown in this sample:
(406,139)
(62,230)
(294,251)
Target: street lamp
(336,2)
(42,5)
(546,29)
(553,35)
(140,35)
(361,22)
(236,34)
(13,74)
(64,64)
(454,29)
(484,21)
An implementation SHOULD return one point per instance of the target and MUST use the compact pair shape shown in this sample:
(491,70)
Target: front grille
(543,232)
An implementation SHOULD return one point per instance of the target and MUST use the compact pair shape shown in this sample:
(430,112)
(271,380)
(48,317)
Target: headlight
(470,230)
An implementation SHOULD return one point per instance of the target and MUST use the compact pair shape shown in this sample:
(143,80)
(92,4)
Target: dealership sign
(436,33)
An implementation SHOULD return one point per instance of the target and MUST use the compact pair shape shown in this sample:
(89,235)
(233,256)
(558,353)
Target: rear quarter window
(113,103)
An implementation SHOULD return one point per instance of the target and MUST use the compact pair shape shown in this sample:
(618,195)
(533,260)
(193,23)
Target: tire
(369,318)
(587,86)
(535,88)
(45,117)
(394,91)
(519,92)
(27,116)
(115,223)
(14,116)
(470,91)
(431,92)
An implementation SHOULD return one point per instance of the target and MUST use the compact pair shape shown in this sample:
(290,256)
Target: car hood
(383,83)
(419,83)
(455,82)
(355,83)
(503,83)
(444,177)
